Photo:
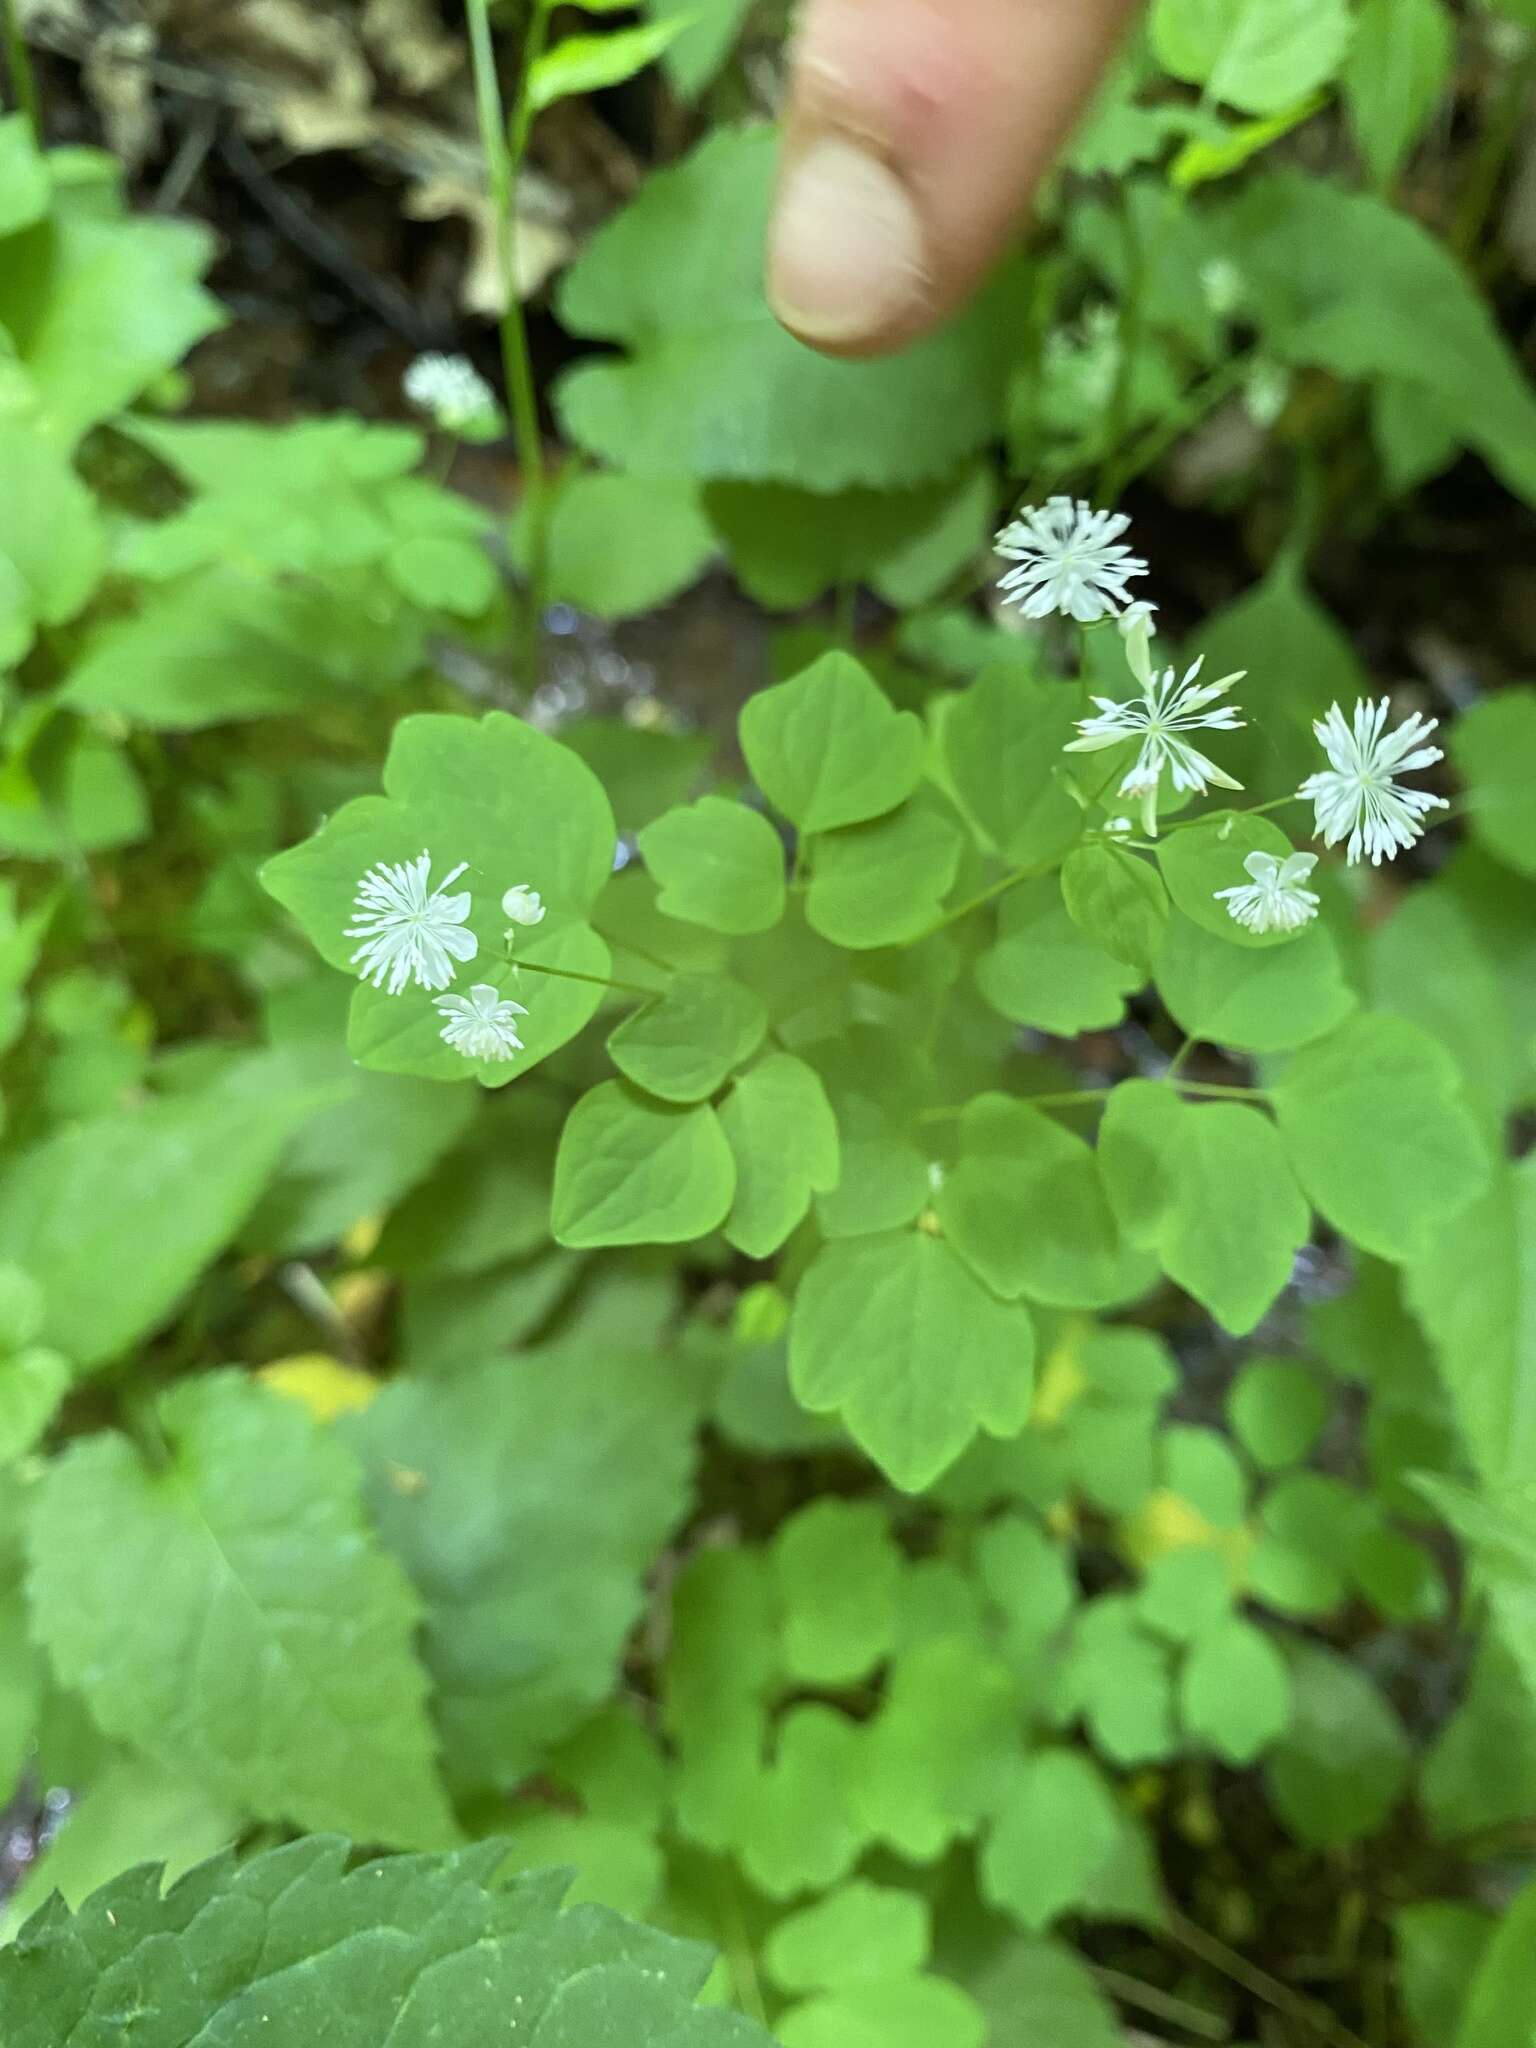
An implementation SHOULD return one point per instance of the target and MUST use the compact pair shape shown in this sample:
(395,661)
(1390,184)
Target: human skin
(916,135)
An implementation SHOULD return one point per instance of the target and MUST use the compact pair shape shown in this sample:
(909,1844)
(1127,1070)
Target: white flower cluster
(1071,561)
(413,932)
(451,392)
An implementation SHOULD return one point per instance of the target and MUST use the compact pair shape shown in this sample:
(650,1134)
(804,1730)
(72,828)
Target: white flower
(450,391)
(481,1025)
(1137,625)
(1068,561)
(1275,901)
(1165,710)
(523,905)
(410,931)
(1359,795)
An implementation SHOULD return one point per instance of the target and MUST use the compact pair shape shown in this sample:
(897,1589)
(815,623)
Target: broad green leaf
(224,644)
(1117,900)
(1440,1946)
(884,884)
(1494,747)
(1118,1677)
(837,1570)
(686,1045)
(915,1354)
(798,1831)
(291,1944)
(134,1813)
(1056,1827)
(623,545)
(1503,1996)
(1473,1288)
(1376,1128)
(1256,1001)
(52,548)
(1048,1991)
(904,2012)
(1258,55)
(24,183)
(537,1490)
(1027,1210)
(715,389)
(829,749)
(1399,65)
(1199,860)
(883,1178)
(784,1139)
(33,1383)
(149,1196)
(717,864)
(1209,1189)
(931,1761)
(1186,1595)
(1429,962)
(1499,1528)
(1481,1772)
(1342,1767)
(861,1934)
(1047,973)
(707,32)
(1001,743)
(580,63)
(1235,1692)
(516,808)
(99,306)
(1343,282)
(1277,1409)
(631,1171)
(229,1615)
(789,547)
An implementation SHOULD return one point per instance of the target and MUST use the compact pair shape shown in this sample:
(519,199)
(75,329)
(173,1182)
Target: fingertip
(847,263)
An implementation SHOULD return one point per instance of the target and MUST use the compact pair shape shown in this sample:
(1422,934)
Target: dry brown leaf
(410,44)
(543,242)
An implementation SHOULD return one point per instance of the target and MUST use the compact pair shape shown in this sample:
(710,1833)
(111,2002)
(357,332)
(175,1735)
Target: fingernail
(846,253)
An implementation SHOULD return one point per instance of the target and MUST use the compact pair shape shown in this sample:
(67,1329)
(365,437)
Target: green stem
(505,148)
(1259,1984)
(1083,1098)
(19,63)
(1162,2005)
(1180,1058)
(1156,442)
(624,988)
(1130,348)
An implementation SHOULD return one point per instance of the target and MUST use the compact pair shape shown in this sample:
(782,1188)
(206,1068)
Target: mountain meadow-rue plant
(854,1366)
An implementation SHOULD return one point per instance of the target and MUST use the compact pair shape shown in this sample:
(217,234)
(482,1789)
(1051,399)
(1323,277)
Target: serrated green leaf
(273,1949)
(526,1497)
(1235,1692)
(1209,1189)
(717,864)
(884,884)
(150,1196)
(1375,1125)
(714,387)
(1045,972)
(1025,1207)
(1254,54)
(229,1615)
(784,1139)
(1255,1001)
(631,1171)
(829,748)
(1343,1766)
(687,1044)
(915,1354)
(52,547)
